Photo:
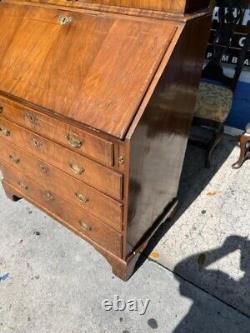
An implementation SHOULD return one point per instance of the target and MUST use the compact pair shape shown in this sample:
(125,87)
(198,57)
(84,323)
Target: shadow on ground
(194,180)
(230,285)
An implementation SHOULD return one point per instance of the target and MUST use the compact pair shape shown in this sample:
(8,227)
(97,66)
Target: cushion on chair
(248,128)
(214,102)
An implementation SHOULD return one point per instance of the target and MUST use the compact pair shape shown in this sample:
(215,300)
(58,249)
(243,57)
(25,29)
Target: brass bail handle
(85,226)
(65,19)
(82,198)
(76,169)
(73,140)
(4,131)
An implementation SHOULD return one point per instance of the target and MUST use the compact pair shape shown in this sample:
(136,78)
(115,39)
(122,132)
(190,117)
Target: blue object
(4,277)
(240,113)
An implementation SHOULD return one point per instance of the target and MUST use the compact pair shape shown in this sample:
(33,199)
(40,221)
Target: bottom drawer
(82,223)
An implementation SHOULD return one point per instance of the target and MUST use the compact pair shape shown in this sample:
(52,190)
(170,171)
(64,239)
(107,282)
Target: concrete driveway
(53,282)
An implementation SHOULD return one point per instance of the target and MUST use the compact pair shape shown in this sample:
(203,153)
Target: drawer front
(74,138)
(76,219)
(69,188)
(94,174)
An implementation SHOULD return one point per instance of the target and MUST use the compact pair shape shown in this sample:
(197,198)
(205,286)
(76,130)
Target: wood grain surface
(95,111)
(60,131)
(78,194)
(69,68)
(84,223)
(176,6)
(94,174)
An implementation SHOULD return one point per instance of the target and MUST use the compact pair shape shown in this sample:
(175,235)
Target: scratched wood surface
(68,68)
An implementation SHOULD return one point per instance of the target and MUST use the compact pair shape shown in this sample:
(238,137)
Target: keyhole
(63,19)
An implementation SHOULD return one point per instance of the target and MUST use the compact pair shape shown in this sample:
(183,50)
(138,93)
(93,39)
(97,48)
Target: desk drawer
(78,220)
(72,137)
(92,173)
(69,188)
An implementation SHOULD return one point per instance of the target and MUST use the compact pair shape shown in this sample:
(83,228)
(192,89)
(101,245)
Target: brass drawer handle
(76,169)
(36,143)
(74,141)
(4,131)
(82,198)
(64,19)
(85,226)
(23,186)
(48,196)
(31,117)
(14,158)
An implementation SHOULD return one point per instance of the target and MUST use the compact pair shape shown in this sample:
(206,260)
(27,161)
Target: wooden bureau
(96,103)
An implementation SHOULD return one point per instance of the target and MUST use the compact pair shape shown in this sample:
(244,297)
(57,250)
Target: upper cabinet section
(93,68)
(175,6)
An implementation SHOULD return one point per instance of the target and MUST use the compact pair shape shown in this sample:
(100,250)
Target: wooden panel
(83,223)
(59,131)
(94,70)
(158,141)
(177,6)
(104,179)
(72,190)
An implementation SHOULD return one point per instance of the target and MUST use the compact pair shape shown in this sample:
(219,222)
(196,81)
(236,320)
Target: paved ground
(53,282)
(209,242)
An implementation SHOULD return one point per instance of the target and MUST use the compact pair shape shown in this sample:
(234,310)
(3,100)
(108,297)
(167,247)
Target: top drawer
(70,136)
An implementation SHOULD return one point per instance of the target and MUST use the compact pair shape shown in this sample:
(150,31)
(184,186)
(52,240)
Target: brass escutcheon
(14,158)
(48,196)
(36,143)
(82,198)
(85,226)
(64,19)
(23,186)
(31,117)
(121,160)
(44,168)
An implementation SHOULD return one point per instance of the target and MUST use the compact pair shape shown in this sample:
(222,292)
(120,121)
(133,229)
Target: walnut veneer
(95,112)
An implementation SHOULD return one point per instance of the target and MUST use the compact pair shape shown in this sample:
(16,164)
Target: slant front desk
(96,103)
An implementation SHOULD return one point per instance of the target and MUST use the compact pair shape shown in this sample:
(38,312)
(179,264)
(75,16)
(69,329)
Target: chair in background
(244,148)
(216,91)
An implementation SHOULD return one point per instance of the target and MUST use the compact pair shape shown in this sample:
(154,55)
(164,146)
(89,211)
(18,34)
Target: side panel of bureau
(82,223)
(158,143)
